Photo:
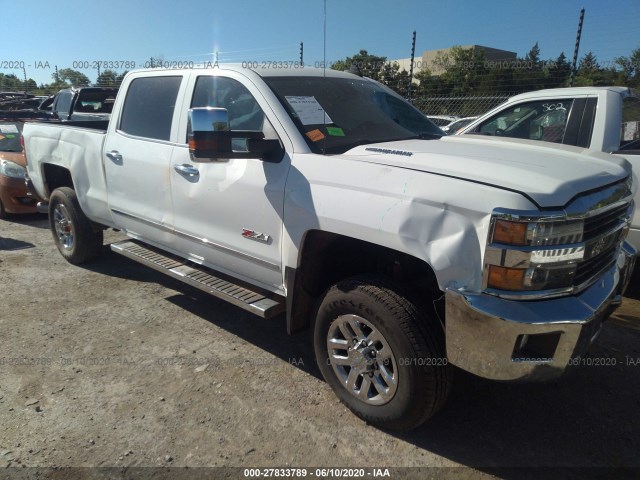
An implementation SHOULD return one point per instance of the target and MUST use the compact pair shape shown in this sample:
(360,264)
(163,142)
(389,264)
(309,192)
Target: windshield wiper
(346,147)
(419,136)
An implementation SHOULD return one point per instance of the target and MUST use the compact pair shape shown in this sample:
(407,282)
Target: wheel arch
(56,176)
(325,258)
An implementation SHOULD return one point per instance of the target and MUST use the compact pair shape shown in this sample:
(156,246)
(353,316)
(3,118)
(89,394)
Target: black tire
(72,231)
(3,212)
(410,381)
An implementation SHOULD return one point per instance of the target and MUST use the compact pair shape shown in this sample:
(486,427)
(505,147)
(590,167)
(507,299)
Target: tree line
(466,72)
(64,78)
(462,72)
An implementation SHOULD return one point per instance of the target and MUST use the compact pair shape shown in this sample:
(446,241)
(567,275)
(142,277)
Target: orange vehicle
(14,197)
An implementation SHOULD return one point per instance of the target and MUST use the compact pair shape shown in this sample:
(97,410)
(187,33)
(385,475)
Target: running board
(200,277)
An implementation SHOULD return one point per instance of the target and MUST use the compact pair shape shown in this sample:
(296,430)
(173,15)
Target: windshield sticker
(308,110)
(8,129)
(335,131)
(315,135)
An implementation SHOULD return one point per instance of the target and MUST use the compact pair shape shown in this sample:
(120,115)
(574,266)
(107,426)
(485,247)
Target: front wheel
(382,356)
(72,231)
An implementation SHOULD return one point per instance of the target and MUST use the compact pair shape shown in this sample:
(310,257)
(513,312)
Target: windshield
(337,114)
(10,136)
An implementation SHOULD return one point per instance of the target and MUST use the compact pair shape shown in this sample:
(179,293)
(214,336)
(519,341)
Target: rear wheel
(72,231)
(382,356)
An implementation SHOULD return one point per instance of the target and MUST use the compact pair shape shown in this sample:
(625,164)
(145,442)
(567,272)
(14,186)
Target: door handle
(186,169)
(114,156)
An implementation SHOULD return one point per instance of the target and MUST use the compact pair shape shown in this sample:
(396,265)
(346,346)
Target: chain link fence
(459,106)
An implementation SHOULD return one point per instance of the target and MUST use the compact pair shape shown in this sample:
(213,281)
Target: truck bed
(100,125)
(72,146)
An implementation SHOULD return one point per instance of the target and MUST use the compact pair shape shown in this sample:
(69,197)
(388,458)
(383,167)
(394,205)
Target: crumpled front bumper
(504,339)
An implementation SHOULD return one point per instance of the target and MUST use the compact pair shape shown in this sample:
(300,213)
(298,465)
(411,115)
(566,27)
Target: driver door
(228,213)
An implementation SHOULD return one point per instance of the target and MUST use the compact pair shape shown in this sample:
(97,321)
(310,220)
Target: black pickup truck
(86,103)
(70,104)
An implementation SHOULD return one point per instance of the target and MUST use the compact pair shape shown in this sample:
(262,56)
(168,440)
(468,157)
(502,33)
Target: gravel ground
(114,365)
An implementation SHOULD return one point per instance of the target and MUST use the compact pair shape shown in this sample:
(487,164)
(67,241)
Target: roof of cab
(289,71)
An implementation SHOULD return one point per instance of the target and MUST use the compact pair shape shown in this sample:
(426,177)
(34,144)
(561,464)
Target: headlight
(531,254)
(537,233)
(528,254)
(536,277)
(11,169)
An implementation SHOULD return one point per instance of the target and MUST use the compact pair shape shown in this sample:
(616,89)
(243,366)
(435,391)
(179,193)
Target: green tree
(464,69)
(629,69)
(533,56)
(529,73)
(10,82)
(155,62)
(72,77)
(498,79)
(558,72)
(371,66)
(589,72)
(108,78)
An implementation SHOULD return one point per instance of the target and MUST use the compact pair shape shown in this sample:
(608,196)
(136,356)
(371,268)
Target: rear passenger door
(137,156)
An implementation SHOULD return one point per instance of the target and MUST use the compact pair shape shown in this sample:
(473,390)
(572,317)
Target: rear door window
(149,106)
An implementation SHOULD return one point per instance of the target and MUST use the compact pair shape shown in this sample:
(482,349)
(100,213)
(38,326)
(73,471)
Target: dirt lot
(114,365)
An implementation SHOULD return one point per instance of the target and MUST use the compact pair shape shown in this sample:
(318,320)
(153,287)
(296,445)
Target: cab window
(148,108)
(243,109)
(63,103)
(630,131)
(540,120)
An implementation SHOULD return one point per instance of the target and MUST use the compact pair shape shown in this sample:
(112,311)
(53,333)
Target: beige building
(427,61)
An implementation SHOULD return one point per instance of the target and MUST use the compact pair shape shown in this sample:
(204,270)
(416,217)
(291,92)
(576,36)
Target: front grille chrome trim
(607,217)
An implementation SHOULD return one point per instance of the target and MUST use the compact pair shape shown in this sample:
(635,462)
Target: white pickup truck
(606,119)
(327,196)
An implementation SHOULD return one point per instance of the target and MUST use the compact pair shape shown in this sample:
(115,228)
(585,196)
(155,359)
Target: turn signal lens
(511,233)
(504,278)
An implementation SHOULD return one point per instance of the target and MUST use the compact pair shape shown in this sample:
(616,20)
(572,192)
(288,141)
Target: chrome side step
(200,277)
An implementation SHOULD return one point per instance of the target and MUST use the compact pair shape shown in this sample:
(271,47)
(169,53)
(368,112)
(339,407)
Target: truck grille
(602,235)
(603,222)
(589,269)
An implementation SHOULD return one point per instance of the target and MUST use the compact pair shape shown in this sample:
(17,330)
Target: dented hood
(549,174)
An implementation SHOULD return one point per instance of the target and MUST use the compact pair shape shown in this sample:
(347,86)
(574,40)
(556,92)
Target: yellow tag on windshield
(315,135)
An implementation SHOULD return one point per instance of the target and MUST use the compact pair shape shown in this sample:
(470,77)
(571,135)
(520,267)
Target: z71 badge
(260,237)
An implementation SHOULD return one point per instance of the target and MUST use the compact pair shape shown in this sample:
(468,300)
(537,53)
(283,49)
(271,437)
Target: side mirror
(210,138)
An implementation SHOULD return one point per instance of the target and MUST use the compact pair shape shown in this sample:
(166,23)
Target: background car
(443,120)
(458,125)
(14,197)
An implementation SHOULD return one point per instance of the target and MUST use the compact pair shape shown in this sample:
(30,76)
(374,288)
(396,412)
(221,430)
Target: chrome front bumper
(531,340)
(634,238)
